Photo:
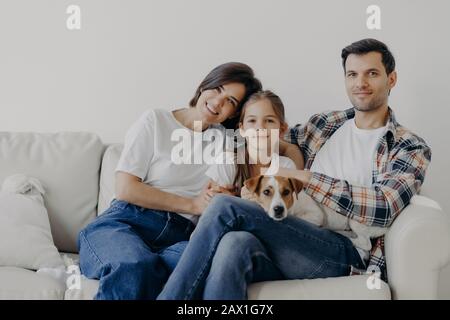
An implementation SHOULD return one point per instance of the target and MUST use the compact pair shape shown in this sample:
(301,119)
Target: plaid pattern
(398,172)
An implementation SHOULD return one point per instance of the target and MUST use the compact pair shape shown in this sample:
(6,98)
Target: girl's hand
(247,195)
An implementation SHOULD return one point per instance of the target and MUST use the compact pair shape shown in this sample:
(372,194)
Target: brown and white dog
(277,195)
(280,196)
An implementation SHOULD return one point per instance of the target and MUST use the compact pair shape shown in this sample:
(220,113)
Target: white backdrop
(130,55)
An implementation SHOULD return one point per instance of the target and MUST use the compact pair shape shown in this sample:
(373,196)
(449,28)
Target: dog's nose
(278,211)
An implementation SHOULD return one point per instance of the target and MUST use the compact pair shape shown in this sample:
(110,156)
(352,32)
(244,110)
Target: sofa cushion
(78,287)
(87,291)
(68,165)
(340,288)
(25,237)
(107,176)
(23,284)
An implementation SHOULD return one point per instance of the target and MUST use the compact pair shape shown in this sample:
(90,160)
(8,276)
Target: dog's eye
(286,192)
(266,192)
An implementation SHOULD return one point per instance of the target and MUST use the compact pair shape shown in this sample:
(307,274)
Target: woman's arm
(293,152)
(217,188)
(131,189)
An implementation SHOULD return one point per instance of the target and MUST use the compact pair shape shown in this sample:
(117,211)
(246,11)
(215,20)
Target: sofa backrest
(68,165)
(107,176)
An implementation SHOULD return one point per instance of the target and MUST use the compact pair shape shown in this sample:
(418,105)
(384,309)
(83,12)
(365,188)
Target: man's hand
(302,175)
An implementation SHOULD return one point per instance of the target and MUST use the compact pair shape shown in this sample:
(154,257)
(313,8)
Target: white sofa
(77,170)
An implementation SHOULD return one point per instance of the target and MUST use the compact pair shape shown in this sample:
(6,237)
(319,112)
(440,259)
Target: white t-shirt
(223,174)
(349,155)
(148,149)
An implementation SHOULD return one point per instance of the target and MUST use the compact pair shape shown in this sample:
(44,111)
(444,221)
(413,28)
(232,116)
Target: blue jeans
(236,243)
(132,250)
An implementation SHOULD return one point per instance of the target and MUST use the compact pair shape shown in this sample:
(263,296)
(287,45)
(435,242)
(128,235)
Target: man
(359,162)
(362,163)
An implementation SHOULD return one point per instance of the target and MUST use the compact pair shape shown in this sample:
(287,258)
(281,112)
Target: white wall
(132,55)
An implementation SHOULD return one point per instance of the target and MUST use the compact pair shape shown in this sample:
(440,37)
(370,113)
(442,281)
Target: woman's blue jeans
(132,250)
(236,243)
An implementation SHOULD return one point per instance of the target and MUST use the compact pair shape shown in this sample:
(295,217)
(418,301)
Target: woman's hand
(227,189)
(200,202)
(247,195)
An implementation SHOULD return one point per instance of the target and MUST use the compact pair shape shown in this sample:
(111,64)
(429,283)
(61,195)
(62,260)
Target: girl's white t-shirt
(147,154)
(223,174)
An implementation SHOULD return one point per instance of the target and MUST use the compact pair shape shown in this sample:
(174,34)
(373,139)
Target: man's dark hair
(370,45)
(228,73)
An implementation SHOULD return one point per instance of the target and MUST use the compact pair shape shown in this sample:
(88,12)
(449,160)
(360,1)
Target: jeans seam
(340,246)
(194,286)
(310,237)
(259,254)
(89,247)
(317,270)
(188,230)
(119,205)
(324,257)
(162,230)
(346,265)
(304,235)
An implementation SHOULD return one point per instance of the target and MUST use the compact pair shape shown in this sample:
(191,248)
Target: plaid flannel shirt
(398,172)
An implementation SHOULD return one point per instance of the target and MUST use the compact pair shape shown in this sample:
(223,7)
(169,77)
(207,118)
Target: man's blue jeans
(132,250)
(236,243)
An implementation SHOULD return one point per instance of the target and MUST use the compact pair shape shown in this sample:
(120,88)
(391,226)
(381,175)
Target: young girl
(236,243)
(262,121)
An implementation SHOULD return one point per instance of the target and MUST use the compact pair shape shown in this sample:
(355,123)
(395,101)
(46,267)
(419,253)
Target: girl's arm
(131,189)
(292,151)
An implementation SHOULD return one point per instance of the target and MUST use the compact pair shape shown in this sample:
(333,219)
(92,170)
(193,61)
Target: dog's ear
(252,184)
(297,185)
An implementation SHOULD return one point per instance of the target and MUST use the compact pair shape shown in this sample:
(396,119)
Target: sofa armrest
(417,247)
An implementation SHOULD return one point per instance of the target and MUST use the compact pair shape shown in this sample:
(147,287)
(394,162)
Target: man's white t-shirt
(147,154)
(349,155)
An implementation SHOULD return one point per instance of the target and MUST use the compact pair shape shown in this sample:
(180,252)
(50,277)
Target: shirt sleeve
(138,147)
(379,204)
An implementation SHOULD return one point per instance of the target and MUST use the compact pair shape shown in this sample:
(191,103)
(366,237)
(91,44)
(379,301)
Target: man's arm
(379,204)
(293,152)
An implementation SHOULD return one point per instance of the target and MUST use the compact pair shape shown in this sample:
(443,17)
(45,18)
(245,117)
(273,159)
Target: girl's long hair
(243,171)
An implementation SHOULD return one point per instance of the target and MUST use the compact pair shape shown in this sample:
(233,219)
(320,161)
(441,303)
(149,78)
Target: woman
(135,244)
